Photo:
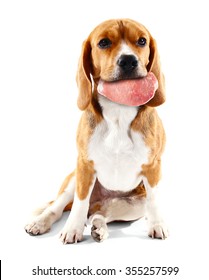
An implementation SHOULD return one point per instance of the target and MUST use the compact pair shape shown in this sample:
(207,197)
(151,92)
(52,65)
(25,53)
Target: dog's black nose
(127,63)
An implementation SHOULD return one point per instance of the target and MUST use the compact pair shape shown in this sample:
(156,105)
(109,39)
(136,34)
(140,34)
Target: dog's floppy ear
(154,67)
(83,77)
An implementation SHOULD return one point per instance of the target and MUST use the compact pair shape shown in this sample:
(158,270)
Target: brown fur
(150,125)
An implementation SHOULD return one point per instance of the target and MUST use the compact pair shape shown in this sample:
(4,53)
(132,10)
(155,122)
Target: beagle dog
(119,145)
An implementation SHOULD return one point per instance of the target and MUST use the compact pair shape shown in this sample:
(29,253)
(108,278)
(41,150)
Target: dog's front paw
(71,234)
(158,230)
(37,226)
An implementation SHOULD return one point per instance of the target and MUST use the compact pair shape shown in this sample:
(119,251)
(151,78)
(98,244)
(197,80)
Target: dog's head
(118,50)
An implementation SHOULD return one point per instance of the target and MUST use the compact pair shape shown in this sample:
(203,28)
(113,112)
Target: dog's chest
(117,151)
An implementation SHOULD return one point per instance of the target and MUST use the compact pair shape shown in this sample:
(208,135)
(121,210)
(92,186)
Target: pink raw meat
(133,92)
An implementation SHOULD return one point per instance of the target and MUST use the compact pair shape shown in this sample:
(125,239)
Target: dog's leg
(116,209)
(43,218)
(157,227)
(85,181)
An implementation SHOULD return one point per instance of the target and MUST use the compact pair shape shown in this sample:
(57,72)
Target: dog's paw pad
(99,234)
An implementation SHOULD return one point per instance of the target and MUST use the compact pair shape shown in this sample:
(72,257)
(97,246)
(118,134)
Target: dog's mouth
(131,92)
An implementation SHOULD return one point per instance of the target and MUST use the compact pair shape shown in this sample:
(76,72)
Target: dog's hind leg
(116,209)
(43,218)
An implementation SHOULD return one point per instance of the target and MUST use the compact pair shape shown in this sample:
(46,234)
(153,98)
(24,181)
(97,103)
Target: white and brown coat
(119,147)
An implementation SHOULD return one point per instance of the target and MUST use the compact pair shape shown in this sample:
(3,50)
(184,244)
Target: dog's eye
(104,43)
(141,42)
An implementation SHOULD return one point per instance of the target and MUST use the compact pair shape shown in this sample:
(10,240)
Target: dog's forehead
(119,29)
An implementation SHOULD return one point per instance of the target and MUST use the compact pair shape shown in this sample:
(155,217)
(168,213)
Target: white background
(40,42)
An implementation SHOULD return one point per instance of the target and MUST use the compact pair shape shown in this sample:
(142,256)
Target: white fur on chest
(117,151)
